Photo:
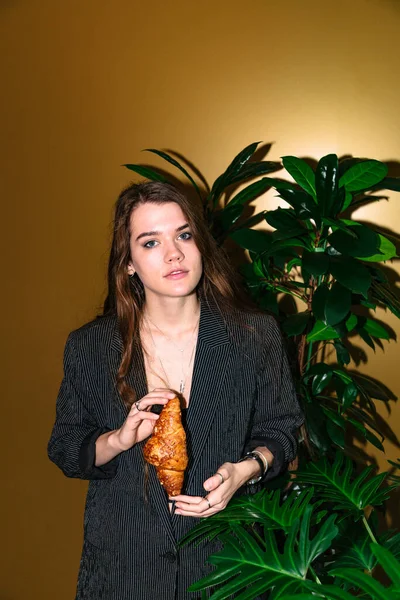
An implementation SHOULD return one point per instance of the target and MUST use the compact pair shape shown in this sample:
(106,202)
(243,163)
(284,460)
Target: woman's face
(163,252)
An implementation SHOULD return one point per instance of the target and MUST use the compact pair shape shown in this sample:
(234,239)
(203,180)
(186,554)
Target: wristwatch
(262,461)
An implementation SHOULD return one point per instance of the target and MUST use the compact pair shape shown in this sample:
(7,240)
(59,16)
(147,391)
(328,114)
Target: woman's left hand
(219,490)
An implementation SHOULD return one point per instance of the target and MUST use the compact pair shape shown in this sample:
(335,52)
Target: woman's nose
(174,254)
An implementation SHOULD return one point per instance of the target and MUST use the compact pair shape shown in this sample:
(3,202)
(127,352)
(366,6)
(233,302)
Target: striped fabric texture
(242,392)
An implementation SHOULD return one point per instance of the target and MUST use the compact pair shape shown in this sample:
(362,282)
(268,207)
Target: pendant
(182,387)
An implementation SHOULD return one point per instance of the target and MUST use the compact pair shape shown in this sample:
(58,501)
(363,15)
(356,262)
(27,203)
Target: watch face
(253,481)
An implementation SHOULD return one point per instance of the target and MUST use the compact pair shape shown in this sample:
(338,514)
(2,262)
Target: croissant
(166,449)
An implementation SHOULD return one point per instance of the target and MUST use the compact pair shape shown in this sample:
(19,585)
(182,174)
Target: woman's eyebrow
(146,234)
(149,233)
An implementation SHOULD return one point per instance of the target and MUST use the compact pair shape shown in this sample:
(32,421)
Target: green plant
(326,264)
(223,221)
(320,272)
(314,540)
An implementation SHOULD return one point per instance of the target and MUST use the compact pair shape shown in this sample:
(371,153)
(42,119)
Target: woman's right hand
(139,424)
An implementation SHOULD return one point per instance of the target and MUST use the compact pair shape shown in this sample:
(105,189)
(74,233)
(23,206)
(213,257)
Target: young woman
(171,323)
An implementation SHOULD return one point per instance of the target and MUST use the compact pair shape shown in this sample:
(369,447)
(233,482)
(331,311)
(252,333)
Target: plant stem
(368,528)
(309,354)
(302,349)
(315,354)
(314,575)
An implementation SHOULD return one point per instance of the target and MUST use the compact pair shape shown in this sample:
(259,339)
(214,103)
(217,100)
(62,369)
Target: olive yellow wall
(86,86)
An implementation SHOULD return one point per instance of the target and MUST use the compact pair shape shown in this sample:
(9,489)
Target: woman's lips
(176,274)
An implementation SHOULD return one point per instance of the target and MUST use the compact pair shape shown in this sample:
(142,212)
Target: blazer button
(169,556)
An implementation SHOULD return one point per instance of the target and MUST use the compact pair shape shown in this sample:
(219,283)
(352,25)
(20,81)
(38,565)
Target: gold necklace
(181,350)
(183,374)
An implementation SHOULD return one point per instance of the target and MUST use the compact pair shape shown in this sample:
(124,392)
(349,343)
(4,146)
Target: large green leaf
(279,235)
(321,332)
(386,250)
(363,175)
(319,299)
(254,169)
(269,508)
(266,507)
(352,547)
(363,418)
(366,244)
(301,172)
(230,215)
(235,166)
(350,394)
(243,562)
(146,172)
(316,427)
(348,199)
(336,417)
(389,564)
(320,382)
(315,263)
(328,592)
(338,484)
(342,353)
(331,305)
(318,368)
(252,239)
(338,224)
(175,163)
(280,184)
(338,304)
(296,324)
(326,183)
(251,192)
(351,274)
(367,584)
(285,219)
(366,433)
(303,204)
(297,242)
(336,433)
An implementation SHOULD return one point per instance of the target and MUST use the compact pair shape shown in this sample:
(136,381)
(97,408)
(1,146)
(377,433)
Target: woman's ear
(131,270)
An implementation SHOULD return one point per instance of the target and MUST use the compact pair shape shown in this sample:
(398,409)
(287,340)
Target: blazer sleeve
(72,445)
(277,415)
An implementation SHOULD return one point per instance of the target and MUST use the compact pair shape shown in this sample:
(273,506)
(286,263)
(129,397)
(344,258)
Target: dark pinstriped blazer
(242,395)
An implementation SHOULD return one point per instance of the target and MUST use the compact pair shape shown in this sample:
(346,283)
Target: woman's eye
(185,236)
(150,244)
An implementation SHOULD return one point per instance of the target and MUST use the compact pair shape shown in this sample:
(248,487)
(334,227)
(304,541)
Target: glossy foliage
(326,263)
(311,540)
(320,273)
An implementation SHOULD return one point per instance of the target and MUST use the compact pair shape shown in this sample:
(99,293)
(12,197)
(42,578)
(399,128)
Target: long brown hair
(126,295)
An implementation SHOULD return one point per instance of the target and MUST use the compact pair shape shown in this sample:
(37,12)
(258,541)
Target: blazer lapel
(211,365)
(137,380)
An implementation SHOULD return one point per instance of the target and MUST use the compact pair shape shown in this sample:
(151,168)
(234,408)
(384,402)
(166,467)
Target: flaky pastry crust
(166,449)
